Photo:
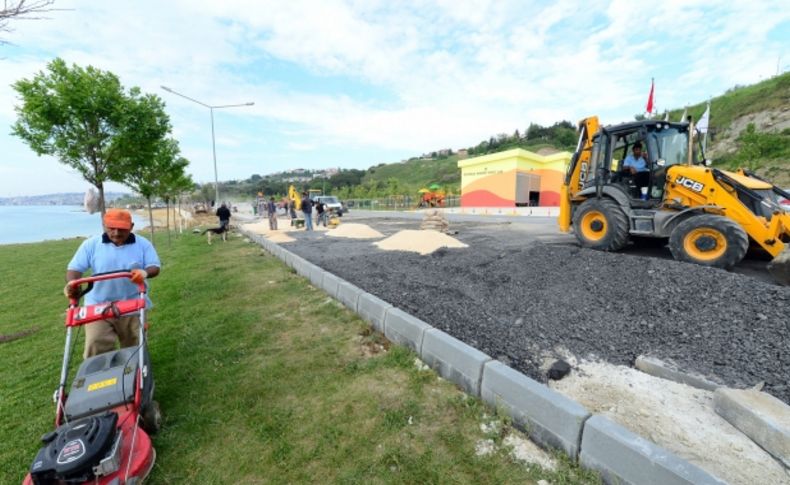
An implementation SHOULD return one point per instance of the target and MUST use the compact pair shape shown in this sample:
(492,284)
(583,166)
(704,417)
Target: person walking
(271,211)
(307,211)
(117,249)
(320,209)
(224,216)
(260,204)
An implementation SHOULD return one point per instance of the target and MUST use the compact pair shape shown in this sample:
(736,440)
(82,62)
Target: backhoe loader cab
(709,216)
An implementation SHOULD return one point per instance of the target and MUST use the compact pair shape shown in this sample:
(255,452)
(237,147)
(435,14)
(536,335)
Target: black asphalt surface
(522,290)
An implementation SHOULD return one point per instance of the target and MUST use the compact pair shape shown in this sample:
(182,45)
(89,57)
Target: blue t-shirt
(100,255)
(638,163)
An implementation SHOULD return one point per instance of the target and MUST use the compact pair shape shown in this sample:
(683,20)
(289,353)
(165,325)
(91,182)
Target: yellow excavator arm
(577,170)
(293,194)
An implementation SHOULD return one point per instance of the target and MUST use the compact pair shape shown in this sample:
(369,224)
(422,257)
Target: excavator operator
(637,165)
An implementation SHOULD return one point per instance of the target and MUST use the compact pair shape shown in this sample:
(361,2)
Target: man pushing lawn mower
(102,424)
(117,249)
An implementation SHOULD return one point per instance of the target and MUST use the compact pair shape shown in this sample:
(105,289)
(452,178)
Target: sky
(356,83)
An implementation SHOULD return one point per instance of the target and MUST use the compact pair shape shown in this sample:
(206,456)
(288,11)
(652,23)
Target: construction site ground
(526,295)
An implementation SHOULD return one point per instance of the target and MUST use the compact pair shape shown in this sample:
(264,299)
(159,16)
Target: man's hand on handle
(71,291)
(138,276)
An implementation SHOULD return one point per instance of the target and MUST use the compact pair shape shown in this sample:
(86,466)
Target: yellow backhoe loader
(708,215)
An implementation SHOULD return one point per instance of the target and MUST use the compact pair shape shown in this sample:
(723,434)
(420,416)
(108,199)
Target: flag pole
(707,129)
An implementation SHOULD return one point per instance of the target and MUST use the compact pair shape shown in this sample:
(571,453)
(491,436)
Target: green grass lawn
(261,377)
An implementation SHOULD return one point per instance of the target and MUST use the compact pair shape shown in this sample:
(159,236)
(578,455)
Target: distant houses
(302,175)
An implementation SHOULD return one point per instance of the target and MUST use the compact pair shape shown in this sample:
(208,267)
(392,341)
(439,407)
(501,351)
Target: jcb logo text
(689,184)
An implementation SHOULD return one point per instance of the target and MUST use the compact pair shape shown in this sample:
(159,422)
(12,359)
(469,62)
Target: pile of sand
(674,416)
(355,231)
(423,242)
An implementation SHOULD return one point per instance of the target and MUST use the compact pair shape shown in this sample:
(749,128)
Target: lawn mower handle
(100,277)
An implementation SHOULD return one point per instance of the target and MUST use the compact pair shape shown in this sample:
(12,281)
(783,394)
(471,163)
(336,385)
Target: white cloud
(427,75)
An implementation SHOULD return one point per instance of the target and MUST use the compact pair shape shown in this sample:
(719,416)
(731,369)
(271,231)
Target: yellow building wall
(490,180)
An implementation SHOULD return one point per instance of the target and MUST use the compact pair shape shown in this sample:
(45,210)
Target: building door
(527,184)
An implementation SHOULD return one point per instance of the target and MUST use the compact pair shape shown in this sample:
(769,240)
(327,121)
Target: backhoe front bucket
(780,267)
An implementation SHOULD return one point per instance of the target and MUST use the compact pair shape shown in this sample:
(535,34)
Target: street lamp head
(249,104)
(166,89)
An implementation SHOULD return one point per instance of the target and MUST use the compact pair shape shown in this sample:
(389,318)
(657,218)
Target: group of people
(269,207)
(307,211)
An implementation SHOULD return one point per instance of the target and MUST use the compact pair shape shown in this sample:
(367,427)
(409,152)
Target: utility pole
(213,143)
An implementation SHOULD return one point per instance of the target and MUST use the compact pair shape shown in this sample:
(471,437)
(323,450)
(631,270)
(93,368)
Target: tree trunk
(151,219)
(100,186)
(180,217)
(167,220)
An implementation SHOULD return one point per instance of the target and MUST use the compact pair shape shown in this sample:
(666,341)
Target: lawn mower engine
(94,442)
(79,451)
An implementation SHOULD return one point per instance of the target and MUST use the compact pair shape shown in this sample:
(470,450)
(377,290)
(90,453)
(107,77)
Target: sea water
(21,223)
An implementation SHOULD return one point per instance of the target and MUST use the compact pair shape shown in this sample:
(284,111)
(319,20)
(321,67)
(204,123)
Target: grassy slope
(769,95)
(413,175)
(262,379)
(766,95)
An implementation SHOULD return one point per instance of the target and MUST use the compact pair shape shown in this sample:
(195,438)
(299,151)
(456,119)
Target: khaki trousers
(100,336)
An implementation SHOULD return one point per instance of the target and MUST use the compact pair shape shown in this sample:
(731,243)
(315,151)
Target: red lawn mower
(102,425)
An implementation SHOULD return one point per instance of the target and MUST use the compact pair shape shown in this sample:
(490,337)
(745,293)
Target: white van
(331,202)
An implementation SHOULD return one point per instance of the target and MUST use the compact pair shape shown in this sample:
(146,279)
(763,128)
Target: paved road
(546,229)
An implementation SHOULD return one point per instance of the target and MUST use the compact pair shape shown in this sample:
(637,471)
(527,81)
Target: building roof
(519,153)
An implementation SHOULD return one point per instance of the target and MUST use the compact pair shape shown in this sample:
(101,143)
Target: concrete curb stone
(658,368)
(316,275)
(301,266)
(404,329)
(549,418)
(348,294)
(760,416)
(373,309)
(454,360)
(623,457)
(288,258)
(330,283)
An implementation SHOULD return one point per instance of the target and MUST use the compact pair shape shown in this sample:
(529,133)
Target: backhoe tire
(601,224)
(709,240)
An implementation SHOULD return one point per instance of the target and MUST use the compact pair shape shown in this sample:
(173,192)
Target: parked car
(785,202)
(332,203)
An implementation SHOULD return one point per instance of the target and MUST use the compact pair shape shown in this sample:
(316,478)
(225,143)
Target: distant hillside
(766,105)
(69,198)
(409,176)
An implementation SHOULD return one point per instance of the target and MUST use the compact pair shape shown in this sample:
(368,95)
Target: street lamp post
(213,143)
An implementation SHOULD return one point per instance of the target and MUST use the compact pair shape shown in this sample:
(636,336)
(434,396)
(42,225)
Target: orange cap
(118,219)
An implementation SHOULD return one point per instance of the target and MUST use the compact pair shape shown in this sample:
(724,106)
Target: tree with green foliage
(149,175)
(84,118)
(755,148)
(173,184)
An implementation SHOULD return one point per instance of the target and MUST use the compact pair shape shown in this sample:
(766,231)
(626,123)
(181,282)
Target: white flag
(683,116)
(702,124)
(666,115)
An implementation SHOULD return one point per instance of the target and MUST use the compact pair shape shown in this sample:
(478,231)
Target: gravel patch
(518,297)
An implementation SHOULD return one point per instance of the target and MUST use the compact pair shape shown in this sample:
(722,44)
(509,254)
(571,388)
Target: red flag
(649,108)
